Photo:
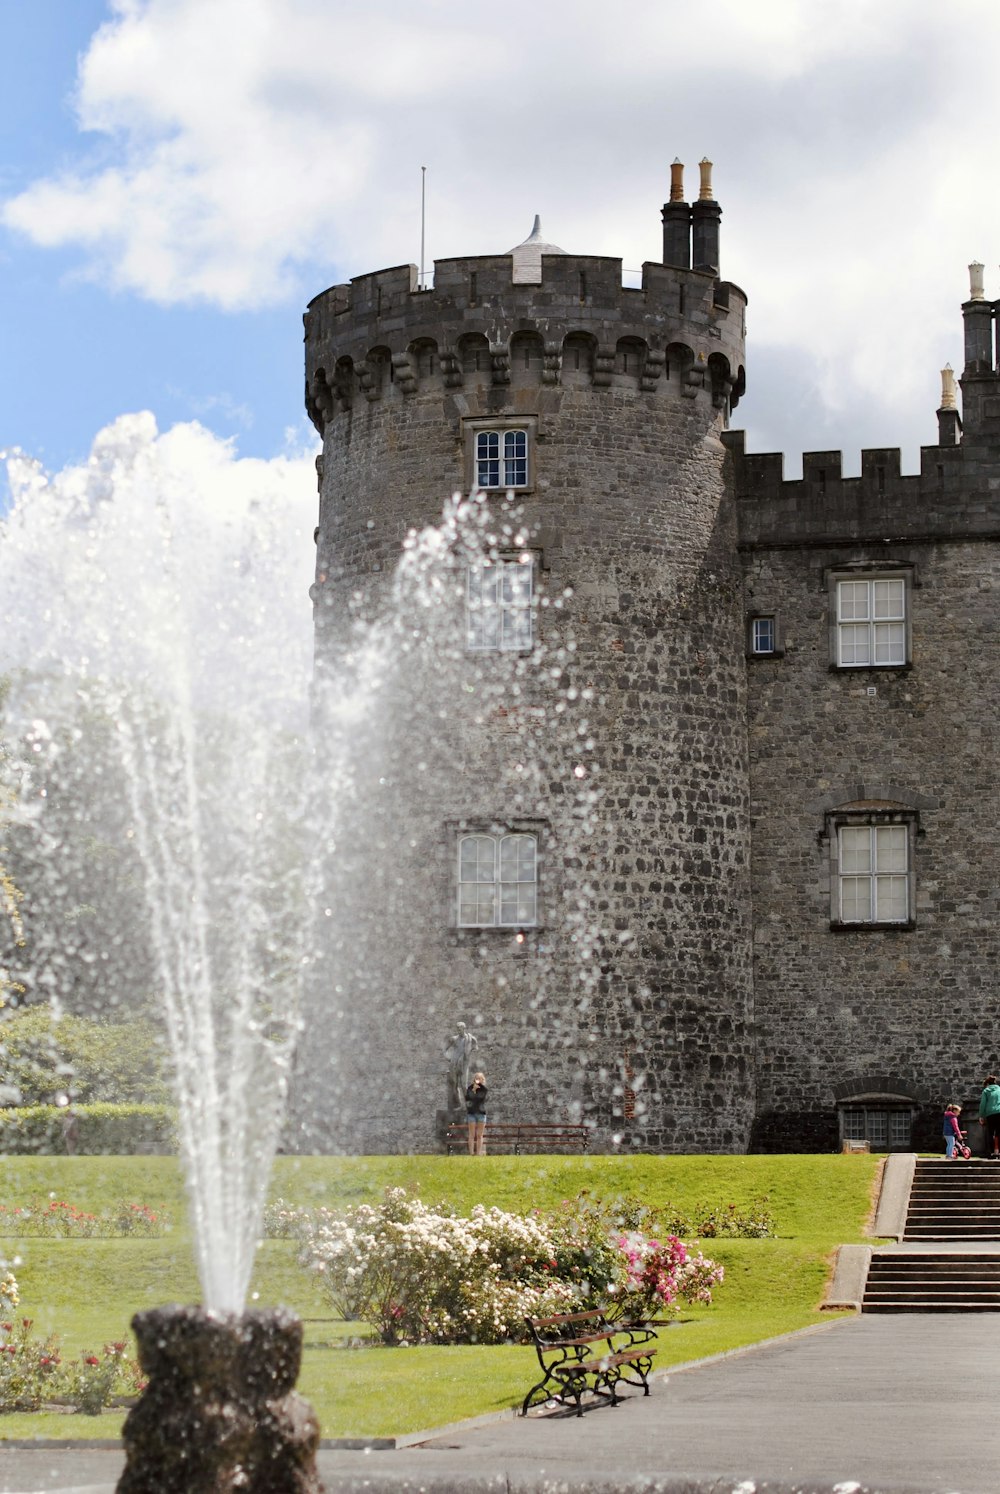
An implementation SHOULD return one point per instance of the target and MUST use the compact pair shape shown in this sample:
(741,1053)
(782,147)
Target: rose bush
(422,1275)
(10,1296)
(55,1218)
(32,1372)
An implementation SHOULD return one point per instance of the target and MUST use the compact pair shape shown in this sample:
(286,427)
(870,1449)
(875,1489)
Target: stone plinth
(220,1411)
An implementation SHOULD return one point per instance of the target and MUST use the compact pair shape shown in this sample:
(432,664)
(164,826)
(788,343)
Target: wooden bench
(521,1137)
(565,1345)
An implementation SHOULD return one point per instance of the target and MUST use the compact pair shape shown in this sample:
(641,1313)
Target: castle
(791,688)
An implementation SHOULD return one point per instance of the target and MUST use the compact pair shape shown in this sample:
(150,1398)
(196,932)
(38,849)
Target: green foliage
(29,1367)
(86,1290)
(43,1057)
(93,1130)
(422,1275)
(84,910)
(11,896)
(97,1380)
(55,1219)
(704,1221)
(32,1373)
(808,1196)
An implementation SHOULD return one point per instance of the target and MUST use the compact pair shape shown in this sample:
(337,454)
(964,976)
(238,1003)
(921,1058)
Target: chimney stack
(677,222)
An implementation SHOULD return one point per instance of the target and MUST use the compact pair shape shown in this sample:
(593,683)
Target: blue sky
(179,177)
(78,353)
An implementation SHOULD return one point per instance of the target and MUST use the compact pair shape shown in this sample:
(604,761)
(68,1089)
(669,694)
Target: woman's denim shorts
(478,1120)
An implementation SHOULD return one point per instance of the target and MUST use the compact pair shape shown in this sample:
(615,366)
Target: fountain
(154,667)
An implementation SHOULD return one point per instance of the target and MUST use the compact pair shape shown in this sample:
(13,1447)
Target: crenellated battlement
(382,336)
(952,495)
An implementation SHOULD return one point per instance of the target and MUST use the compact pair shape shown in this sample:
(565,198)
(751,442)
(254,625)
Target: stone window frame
(870,571)
(525,557)
(539,831)
(879,1094)
(777,649)
(871,815)
(502,425)
(890,1108)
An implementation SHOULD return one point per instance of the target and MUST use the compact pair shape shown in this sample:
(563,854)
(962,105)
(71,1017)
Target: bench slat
(567,1317)
(566,1373)
(526,1134)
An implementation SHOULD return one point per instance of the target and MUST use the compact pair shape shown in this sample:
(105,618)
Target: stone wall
(915,1003)
(630,1003)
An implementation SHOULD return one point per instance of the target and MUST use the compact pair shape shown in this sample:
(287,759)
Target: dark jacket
(475,1100)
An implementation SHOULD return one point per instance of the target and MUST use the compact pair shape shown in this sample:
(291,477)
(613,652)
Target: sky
(179,177)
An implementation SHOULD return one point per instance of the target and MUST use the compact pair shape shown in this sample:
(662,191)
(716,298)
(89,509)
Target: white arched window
(502,459)
(497,881)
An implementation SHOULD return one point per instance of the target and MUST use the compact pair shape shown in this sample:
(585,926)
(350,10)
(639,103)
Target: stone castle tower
(592,414)
(774,922)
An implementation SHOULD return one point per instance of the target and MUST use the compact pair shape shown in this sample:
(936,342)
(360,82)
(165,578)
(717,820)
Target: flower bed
(422,1275)
(33,1374)
(56,1219)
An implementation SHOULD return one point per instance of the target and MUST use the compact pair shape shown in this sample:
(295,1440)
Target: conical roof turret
(527,257)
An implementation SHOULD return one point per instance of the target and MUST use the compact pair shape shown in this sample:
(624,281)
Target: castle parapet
(380,335)
(949,497)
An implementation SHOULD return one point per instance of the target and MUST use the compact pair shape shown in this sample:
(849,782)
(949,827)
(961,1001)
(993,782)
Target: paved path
(856,1403)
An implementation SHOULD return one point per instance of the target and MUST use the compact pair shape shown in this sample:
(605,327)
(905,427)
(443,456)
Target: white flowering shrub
(422,1275)
(10,1295)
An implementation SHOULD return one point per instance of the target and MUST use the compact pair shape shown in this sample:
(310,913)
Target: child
(952,1135)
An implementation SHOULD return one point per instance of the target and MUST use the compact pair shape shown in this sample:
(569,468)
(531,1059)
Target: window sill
(872,668)
(904,926)
(518,942)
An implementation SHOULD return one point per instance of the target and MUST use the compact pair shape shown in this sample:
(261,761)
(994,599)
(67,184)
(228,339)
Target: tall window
(499,604)
(497,881)
(871,622)
(502,459)
(874,866)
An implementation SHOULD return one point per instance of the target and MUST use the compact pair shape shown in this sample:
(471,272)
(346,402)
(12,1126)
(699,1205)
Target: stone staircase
(953,1206)
(954,1201)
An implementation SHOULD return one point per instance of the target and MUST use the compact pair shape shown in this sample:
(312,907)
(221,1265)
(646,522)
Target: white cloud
(249,150)
(152,523)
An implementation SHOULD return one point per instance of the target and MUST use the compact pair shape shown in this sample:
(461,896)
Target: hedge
(88,1130)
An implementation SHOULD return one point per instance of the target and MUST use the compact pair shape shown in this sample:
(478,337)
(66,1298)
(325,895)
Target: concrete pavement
(899,1404)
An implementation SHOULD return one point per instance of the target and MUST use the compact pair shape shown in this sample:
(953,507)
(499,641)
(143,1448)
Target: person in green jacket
(989,1116)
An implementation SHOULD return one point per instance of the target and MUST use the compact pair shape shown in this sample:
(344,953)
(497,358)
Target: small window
(871,623)
(762,635)
(502,459)
(500,605)
(873,874)
(497,881)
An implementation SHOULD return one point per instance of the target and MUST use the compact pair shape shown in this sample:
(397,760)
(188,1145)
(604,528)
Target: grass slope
(87,1290)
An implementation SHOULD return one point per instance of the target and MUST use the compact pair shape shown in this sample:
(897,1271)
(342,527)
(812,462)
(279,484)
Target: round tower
(591,410)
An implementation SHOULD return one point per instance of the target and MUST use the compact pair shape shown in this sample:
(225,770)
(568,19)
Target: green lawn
(87,1290)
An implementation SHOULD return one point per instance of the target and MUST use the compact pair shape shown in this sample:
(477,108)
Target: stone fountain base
(220,1411)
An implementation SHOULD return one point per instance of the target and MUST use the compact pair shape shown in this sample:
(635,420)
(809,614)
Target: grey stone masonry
(901,1016)
(688,736)
(627,1003)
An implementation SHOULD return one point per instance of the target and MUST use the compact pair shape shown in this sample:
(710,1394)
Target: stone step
(967,1217)
(934,1233)
(928,1304)
(928,1286)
